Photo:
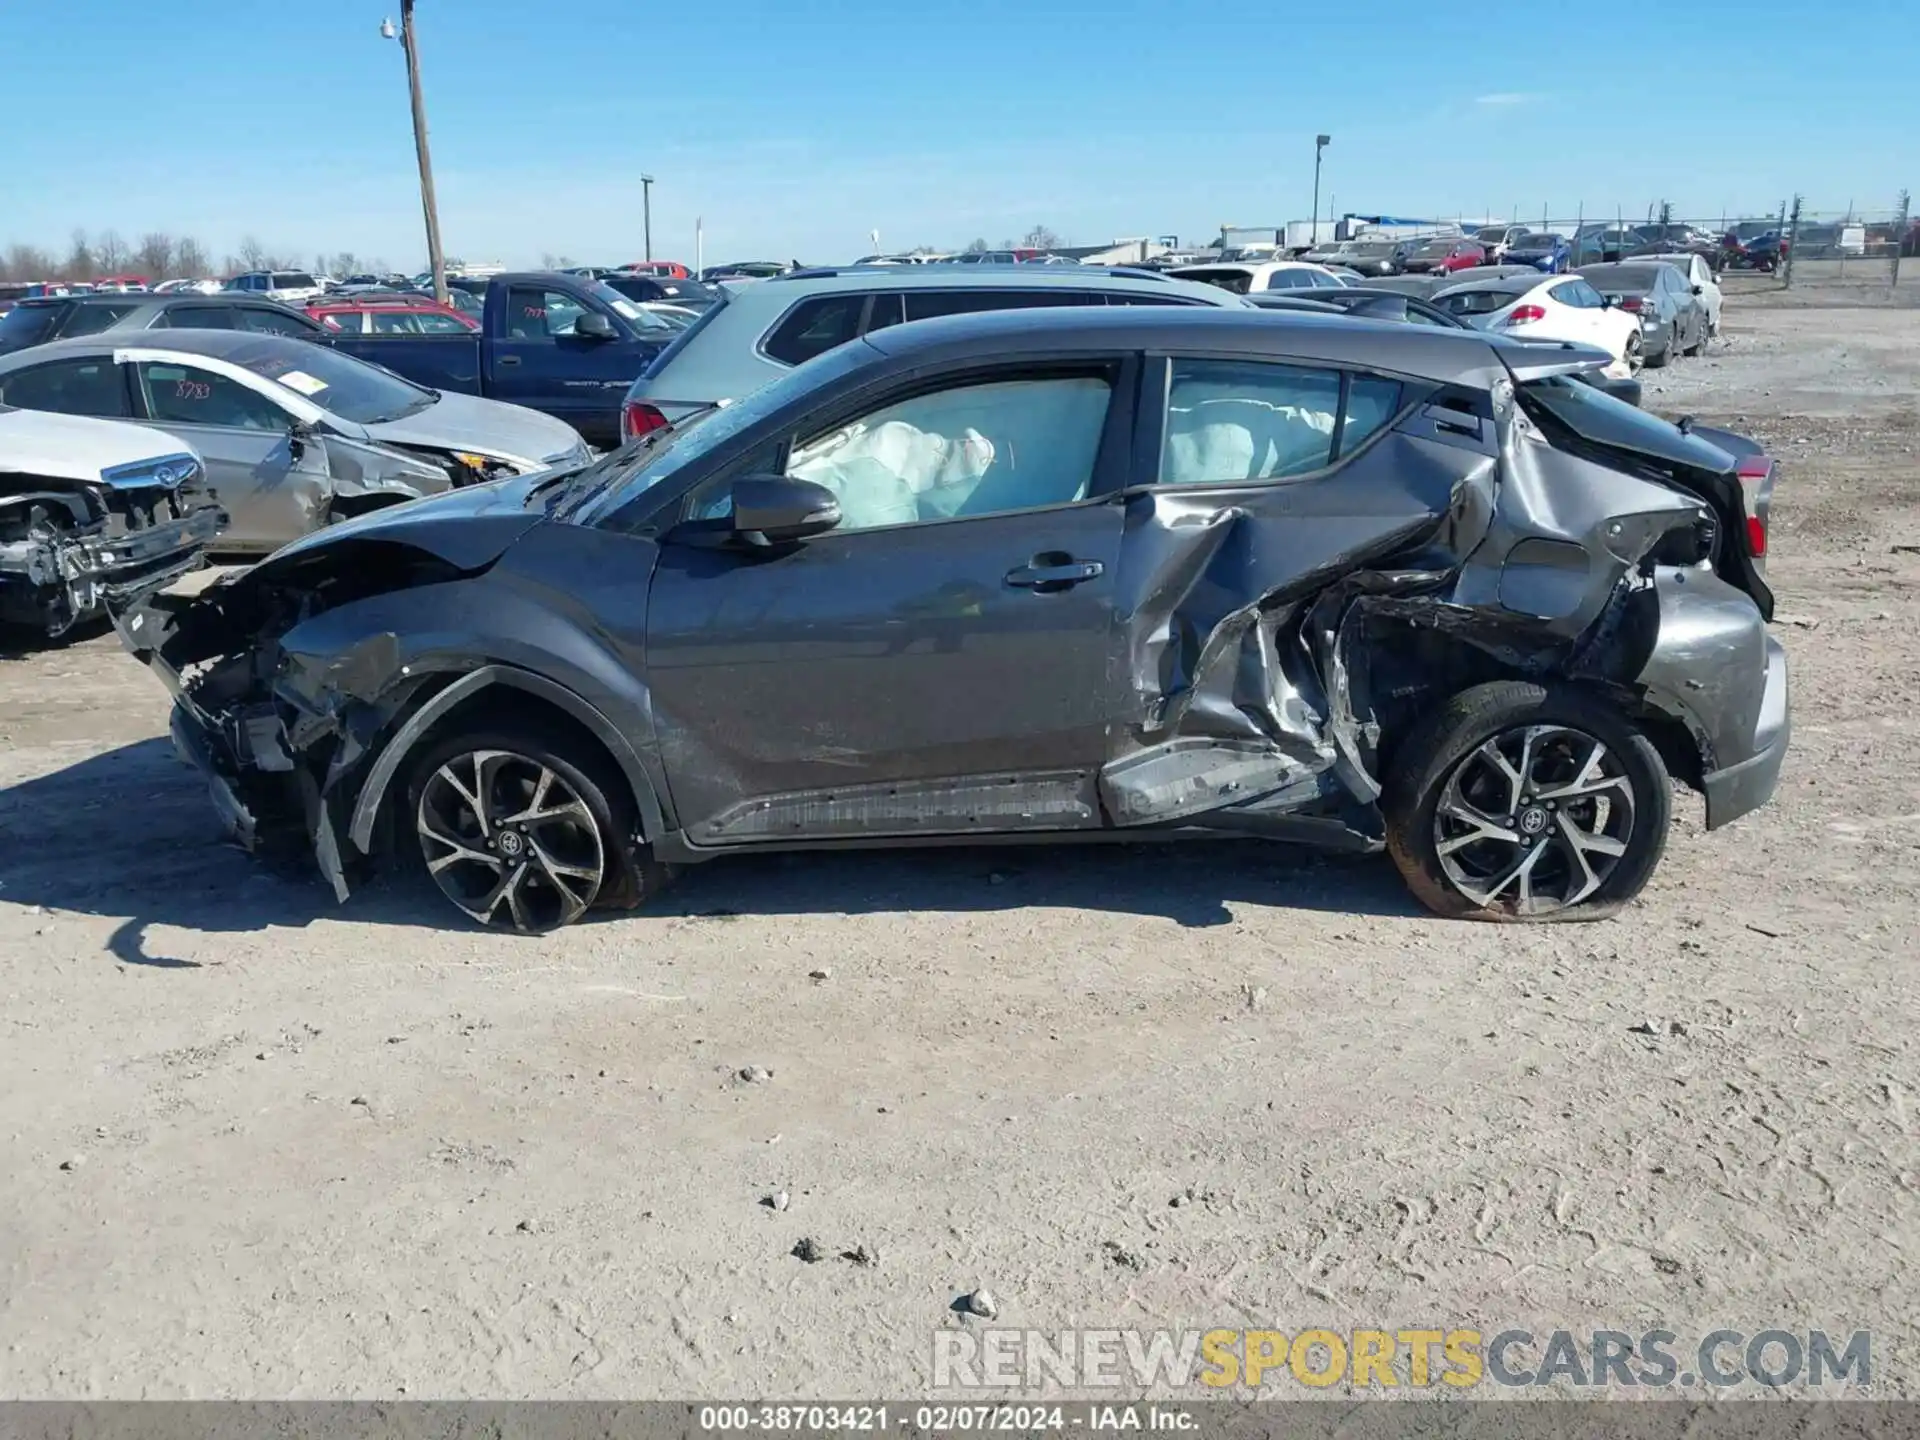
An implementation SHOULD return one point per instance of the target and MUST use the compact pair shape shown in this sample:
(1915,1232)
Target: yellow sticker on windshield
(303,382)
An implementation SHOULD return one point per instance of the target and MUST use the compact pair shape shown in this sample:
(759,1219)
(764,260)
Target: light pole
(436,261)
(646,211)
(1320,142)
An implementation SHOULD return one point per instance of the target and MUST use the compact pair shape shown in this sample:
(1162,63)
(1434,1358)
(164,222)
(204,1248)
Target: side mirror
(1699,289)
(1606,302)
(592,325)
(778,508)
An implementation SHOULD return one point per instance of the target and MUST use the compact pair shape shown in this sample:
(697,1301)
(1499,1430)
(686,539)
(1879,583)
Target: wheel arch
(487,687)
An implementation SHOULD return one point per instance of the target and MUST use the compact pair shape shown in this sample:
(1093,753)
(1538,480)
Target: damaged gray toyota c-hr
(1075,574)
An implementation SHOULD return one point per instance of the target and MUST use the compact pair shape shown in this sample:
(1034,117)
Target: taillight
(1634,303)
(1756,479)
(1526,315)
(637,418)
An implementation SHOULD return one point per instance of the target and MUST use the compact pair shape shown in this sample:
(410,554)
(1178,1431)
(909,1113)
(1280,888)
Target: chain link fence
(1794,247)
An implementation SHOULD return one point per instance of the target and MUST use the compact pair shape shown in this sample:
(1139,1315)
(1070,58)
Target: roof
(220,344)
(1426,352)
(961,277)
(785,290)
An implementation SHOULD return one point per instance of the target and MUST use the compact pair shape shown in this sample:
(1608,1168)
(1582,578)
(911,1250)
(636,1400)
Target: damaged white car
(93,512)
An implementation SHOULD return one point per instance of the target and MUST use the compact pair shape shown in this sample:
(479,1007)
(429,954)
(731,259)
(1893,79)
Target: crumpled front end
(286,676)
(71,550)
(278,729)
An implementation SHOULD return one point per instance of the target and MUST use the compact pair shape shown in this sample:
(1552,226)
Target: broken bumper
(1746,786)
(201,746)
(97,571)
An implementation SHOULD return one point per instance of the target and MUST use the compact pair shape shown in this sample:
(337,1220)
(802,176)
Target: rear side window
(196,317)
(69,387)
(272,322)
(1134,297)
(28,325)
(814,327)
(1234,421)
(92,319)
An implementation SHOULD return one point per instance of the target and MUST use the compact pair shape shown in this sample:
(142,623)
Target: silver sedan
(295,436)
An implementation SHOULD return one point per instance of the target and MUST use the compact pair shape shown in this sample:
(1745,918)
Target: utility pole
(436,260)
(1320,142)
(646,211)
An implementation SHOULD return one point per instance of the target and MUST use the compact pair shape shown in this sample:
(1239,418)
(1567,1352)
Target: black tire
(550,858)
(1443,760)
(1658,359)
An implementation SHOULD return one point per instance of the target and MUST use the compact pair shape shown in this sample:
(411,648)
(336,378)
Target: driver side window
(535,314)
(186,395)
(974,449)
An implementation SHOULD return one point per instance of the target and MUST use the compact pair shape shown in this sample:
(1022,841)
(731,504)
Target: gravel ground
(259,1145)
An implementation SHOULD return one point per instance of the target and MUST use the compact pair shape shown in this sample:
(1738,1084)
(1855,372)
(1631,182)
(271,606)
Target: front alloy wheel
(509,840)
(1534,820)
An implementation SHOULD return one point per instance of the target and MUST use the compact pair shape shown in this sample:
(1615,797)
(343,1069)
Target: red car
(390,315)
(1444,256)
(659,269)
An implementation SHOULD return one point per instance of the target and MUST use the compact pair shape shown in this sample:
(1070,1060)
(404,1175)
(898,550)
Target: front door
(540,362)
(939,663)
(273,487)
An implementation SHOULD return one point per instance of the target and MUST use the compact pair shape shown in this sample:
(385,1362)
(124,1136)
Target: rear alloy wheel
(522,833)
(1657,360)
(1525,803)
(1633,356)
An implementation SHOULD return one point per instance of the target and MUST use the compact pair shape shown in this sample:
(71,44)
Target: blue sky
(796,128)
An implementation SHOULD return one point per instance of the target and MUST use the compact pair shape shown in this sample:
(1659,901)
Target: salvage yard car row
(1054,553)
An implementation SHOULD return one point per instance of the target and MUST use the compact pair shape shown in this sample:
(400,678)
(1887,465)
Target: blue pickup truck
(560,344)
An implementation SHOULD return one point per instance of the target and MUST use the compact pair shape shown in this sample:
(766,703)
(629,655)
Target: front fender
(387,764)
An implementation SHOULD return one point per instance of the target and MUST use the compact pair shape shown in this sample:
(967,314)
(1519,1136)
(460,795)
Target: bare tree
(190,259)
(111,252)
(80,262)
(155,255)
(977,247)
(1041,238)
(27,262)
(253,255)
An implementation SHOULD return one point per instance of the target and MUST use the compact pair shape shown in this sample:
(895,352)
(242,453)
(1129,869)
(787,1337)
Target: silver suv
(762,330)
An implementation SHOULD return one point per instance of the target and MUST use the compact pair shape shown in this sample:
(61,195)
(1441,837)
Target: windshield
(1367,249)
(647,323)
(1235,281)
(615,480)
(1619,278)
(1491,234)
(1536,240)
(1467,304)
(339,384)
(1435,250)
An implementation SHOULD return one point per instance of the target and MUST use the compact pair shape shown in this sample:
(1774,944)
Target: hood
(468,527)
(486,427)
(74,447)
